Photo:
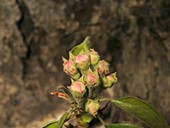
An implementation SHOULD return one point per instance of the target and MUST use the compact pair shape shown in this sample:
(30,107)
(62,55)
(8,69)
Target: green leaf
(59,123)
(83,47)
(52,124)
(142,110)
(62,120)
(122,126)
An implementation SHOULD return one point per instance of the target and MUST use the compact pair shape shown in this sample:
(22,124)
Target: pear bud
(69,67)
(92,78)
(92,106)
(78,88)
(82,61)
(109,80)
(94,57)
(85,118)
(102,67)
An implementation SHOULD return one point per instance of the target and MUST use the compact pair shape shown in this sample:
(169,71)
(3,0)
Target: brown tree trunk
(133,35)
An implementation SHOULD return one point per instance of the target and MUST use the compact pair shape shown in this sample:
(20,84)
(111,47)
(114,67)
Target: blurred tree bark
(133,35)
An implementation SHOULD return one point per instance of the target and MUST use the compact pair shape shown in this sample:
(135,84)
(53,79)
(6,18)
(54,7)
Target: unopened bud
(82,61)
(85,118)
(78,88)
(92,106)
(69,67)
(94,57)
(109,80)
(92,78)
(102,67)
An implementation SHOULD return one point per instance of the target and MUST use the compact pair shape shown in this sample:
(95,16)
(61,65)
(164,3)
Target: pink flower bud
(94,57)
(78,88)
(69,67)
(109,80)
(92,106)
(82,61)
(102,67)
(92,79)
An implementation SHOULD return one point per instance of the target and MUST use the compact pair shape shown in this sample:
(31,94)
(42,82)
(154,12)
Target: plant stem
(99,91)
(90,89)
(101,120)
(105,99)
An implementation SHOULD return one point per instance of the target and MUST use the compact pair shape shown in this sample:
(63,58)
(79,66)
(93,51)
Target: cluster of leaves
(90,76)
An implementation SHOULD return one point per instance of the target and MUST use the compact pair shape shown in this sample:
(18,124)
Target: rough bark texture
(133,35)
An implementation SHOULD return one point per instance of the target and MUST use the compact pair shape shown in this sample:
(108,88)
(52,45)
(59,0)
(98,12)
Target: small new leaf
(52,124)
(62,120)
(83,47)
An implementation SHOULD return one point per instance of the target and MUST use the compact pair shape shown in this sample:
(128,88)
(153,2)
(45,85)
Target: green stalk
(101,120)
(90,89)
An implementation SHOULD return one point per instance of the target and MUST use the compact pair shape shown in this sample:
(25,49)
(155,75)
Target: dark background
(132,35)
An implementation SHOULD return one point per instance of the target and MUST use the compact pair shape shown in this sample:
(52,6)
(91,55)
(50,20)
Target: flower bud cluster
(90,68)
(88,71)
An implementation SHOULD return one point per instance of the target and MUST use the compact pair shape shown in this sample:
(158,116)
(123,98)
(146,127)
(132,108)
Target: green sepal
(81,79)
(76,76)
(71,56)
(72,81)
(64,59)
